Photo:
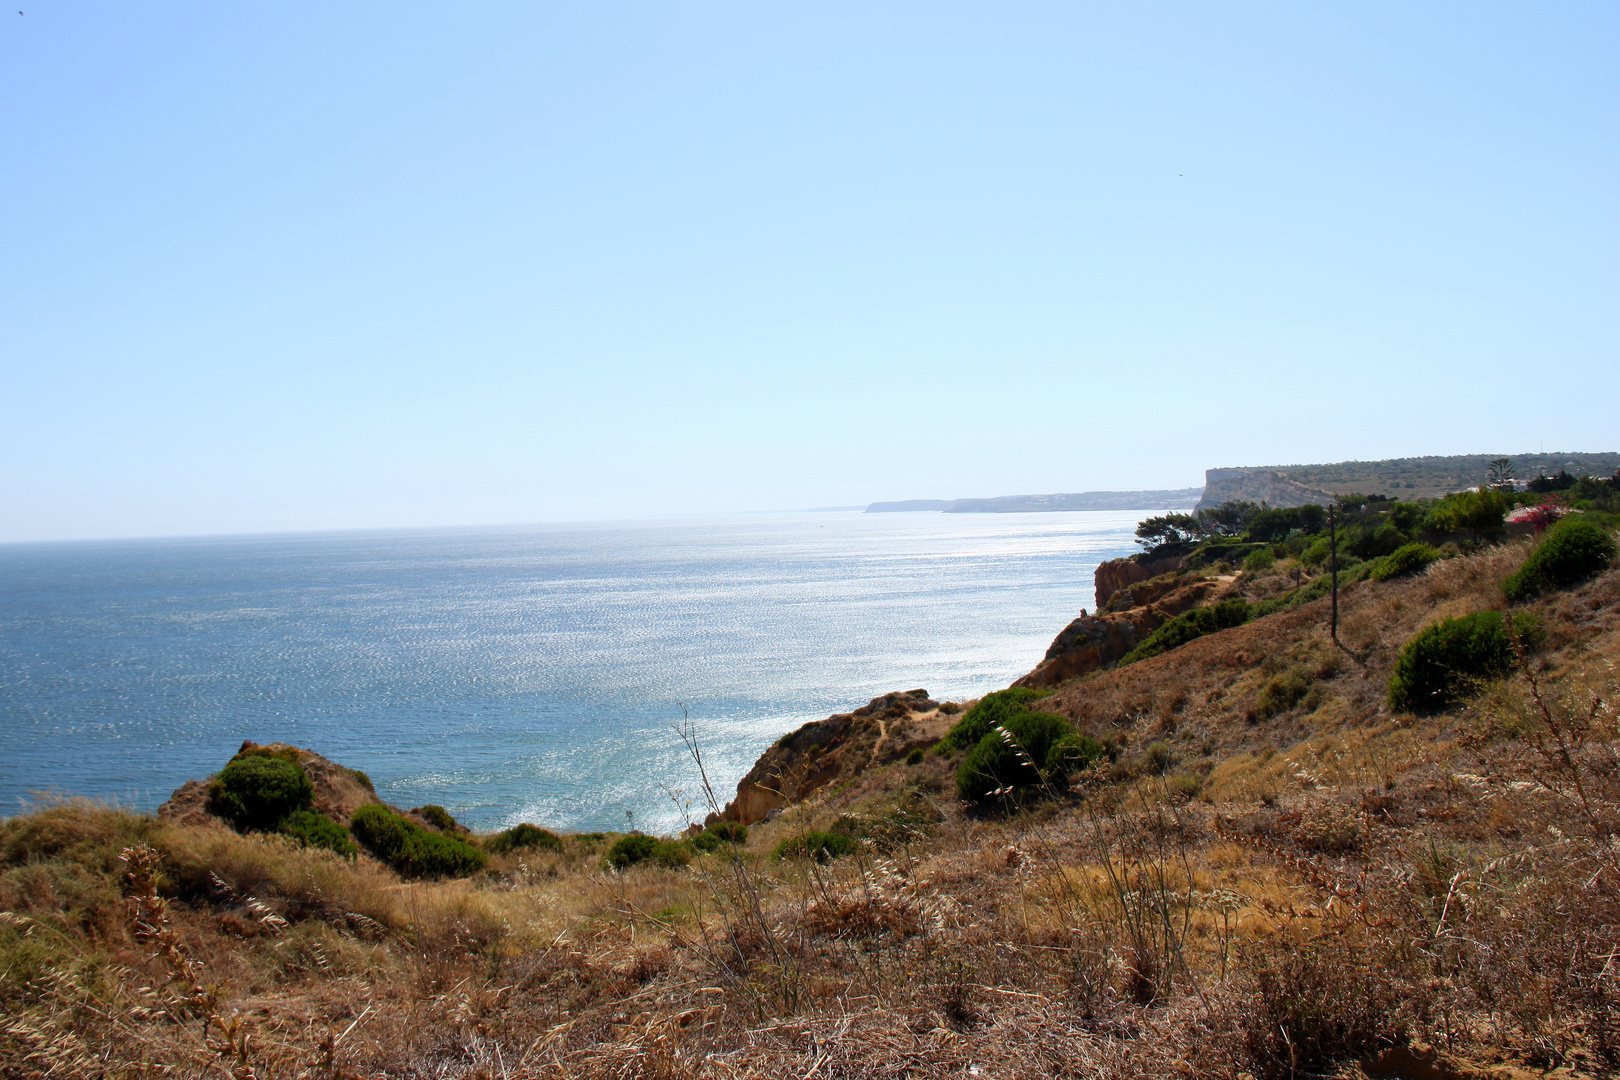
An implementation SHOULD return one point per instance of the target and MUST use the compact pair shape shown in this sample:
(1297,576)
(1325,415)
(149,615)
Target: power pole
(1333,564)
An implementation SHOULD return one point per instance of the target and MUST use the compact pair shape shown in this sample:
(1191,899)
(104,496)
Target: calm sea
(514,674)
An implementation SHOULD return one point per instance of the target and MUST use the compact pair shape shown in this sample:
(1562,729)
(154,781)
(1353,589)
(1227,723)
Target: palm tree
(1500,475)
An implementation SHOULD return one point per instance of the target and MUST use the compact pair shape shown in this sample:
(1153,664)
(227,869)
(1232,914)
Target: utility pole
(1333,564)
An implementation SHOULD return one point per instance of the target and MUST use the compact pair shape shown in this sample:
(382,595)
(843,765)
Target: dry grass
(1351,890)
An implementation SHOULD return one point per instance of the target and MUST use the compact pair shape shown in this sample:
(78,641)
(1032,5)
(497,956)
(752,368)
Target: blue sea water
(514,674)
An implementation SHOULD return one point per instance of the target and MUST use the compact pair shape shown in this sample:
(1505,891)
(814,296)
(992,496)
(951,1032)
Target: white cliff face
(1257,485)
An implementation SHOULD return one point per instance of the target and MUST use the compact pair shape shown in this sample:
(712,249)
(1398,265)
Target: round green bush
(633,848)
(317,830)
(524,836)
(1450,660)
(1407,559)
(257,792)
(991,710)
(1572,549)
(410,849)
(820,846)
(999,763)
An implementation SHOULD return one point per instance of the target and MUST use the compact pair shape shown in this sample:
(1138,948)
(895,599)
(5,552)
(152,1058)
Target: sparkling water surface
(511,674)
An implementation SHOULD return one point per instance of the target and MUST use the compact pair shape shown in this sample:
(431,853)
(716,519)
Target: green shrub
(1188,626)
(1407,559)
(916,756)
(633,848)
(1449,661)
(524,836)
(282,753)
(999,763)
(410,849)
(363,780)
(436,816)
(721,832)
(991,710)
(317,830)
(1259,561)
(1369,543)
(1572,549)
(1478,512)
(256,791)
(820,846)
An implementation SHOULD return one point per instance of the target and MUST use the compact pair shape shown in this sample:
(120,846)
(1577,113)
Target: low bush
(436,816)
(1407,559)
(1572,549)
(410,849)
(1159,756)
(1316,1003)
(1190,625)
(280,753)
(256,791)
(721,832)
(1283,692)
(1185,787)
(634,848)
(1260,561)
(363,780)
(991,710)
(916,756)
(1451,660)
(317,830)
(820,846)
(1037,748)
(524,836)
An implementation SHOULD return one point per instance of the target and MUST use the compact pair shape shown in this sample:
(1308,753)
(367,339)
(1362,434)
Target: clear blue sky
(336,264)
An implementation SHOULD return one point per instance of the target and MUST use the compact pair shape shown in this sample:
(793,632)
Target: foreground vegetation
(1245,854)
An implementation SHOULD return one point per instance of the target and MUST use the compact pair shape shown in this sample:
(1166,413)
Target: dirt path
(877,748)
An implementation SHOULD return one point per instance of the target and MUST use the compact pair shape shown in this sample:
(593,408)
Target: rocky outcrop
(804,761)
(1116,574)
(189,805)
(1093,642)
(339,791)
(1257,485)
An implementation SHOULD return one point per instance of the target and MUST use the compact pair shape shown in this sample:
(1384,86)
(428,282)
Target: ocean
(535,673)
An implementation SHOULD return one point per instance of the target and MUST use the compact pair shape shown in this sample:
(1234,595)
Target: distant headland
(1019,504)
(1287,485)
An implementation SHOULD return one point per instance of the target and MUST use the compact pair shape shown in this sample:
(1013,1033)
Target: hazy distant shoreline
(1028,504)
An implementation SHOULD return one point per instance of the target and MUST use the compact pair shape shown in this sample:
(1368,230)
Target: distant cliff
(1267,486)
(1173,499)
